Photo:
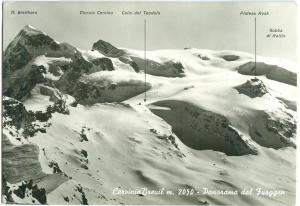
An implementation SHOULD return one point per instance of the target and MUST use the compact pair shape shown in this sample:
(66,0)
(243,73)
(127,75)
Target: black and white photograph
(149,103)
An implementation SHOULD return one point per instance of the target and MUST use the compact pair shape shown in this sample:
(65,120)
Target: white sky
(217,25)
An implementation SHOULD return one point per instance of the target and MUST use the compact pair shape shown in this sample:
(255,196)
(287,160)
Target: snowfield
(211,122)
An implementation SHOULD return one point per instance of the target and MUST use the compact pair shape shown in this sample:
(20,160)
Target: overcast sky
(217,26)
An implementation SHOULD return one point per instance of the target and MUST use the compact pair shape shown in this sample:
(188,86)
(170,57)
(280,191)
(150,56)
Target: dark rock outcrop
(59,106)
(273,129)
(28,44)
(23,81)
(107,49)
(19,72)
(6,192)
(54,94)
(203,57)
(79,66)
(203,130)
(292,105)
(104,63)
(252,88)
(54,165)
(89,93)
(83,136)
(128,60)
(230,57)
(73,72)
(15,57)
(36,192)
(55,70)
(84,200)
(16,115)
(272,72)
(166,69)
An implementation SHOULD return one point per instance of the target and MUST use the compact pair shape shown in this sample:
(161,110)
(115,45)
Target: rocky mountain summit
(107,49)
(27,45)
(78,125)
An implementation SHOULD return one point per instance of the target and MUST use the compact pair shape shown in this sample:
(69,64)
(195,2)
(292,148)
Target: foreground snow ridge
(76,127)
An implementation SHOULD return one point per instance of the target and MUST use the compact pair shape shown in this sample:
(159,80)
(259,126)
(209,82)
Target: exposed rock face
(292,105)
(104,63)
(69,82)
(28,189)
(177,65)
(37,193)
(6,192)
(19,72)
(54,165)
(141,64)
(79,64)
(73,72)
(107,49)
(14,58)
(22,82)
(252,88)
(59,106)
(14,113)
(230,57)
(203,57)
(30,43)
(38,40)
(276,129)
(55,70)
(22,73)
(166,69)
(28,63)
(90,93)
(128,60)
(84,200)
(54,94)
(203,130)
(271,71)
(27,44)
(27,123)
